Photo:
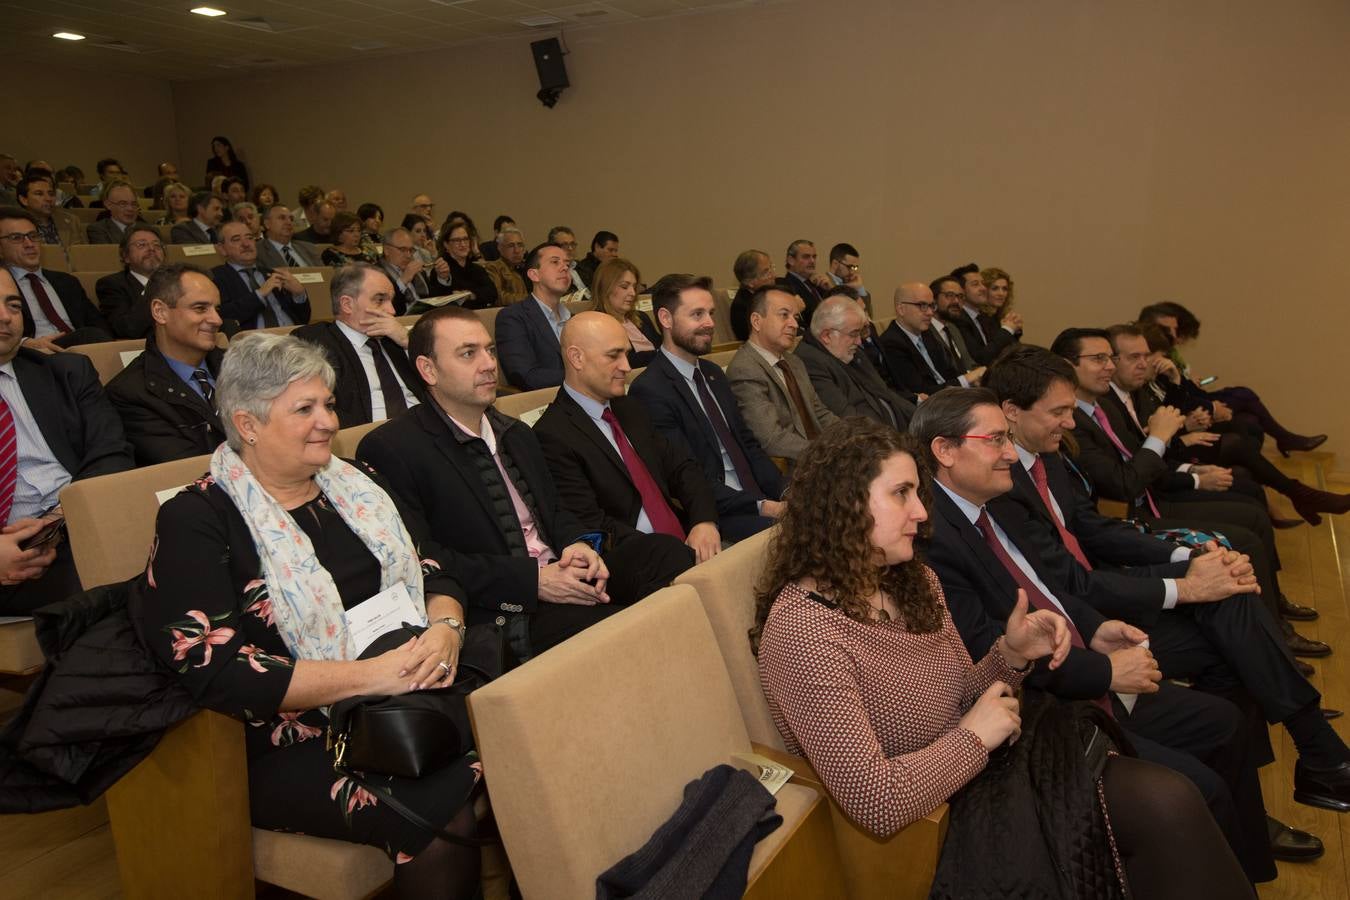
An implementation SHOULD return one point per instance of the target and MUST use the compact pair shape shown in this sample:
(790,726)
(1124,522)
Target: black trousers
(738,528)
(1204,737)
(59,582)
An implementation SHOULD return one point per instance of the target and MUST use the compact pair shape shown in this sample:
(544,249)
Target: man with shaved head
(614,471)
(841,373)
(918,362)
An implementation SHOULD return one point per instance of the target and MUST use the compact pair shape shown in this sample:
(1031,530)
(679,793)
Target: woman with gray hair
(251,573)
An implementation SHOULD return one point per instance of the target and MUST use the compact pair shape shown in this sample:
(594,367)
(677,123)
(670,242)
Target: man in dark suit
(368,348)
(121,295)
(615,472)
(1225,644)
(753,270)
(840,371)
(58,428)
(984,562)
(529,332)
(917,361)
(404,268)
(250,293)
(166,395)
(692,406)
(984,337)
(123,212)
(320,225)
(278,248)
(57,312)
(203,228)
(1124,466)
(802,279)
(949,295)
(480,483)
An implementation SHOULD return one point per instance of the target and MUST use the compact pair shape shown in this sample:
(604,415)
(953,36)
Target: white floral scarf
(306,605)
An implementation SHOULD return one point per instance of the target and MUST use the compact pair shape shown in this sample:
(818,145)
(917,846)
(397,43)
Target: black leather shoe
(1331,713)
(1296,442)
(1304,669)
(1302,646)
(1290,844)
(1291,610)
(1327,788)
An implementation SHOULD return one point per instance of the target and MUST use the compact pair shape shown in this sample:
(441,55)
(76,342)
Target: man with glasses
(404,268)
(950,296)
(37,194)
(252,294)
(507,270)
(841,372)
(753,270)
(56,311)
(279,249)
(845,269)
(985,337)
(121,295)
(917,360)
(124,210)
(424,206)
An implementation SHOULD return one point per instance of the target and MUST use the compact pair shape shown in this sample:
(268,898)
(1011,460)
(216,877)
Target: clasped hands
(578,577)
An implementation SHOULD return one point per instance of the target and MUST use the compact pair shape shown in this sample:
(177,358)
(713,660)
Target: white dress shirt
(364,350)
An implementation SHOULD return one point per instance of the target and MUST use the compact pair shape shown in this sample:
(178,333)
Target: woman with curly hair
(999,296)
(866,677)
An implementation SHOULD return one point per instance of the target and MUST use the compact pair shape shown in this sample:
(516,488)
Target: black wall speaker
(548,62)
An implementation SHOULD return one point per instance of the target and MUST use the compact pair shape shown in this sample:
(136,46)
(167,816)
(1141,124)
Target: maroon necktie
(9,461)
(744,474)
(46,305)
(1065,535)
(794,390)
(1100,415)
(658,511)
(1035,597)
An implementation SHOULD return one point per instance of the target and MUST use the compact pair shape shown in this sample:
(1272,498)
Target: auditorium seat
(527,406)
(320,298)
(588,747)
(408,321)
(89,281)
(95,257)
(720,357)
(634,373)
(899,867)
(275,329)
(579,306)
(87,215)
(165,233)
(722,332)
(54,258)
(197,254)
(111,357)
(346,440)
(181,817)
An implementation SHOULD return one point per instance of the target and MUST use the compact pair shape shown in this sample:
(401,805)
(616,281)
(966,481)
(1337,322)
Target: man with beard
(985,337)
(689,402)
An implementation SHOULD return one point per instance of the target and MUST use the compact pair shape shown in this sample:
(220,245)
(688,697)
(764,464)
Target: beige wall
(1107,155)
(77,116)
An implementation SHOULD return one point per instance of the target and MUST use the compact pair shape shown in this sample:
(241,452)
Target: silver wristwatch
(454,623)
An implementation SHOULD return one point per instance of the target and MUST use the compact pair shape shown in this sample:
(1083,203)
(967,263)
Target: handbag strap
(406,812)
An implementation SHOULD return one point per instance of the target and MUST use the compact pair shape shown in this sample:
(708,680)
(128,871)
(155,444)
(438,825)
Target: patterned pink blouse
(874,708)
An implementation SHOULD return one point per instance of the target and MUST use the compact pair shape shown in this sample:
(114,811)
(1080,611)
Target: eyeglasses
(952,295)
(852,267)
(120,204)
(567,245)
(856,334)
(462,240)
(145,245)
(26,236)
(388,247)
(1100,359)
(998,441)
(924,307)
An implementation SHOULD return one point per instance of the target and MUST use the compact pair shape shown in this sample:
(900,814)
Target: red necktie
(46,305)
(1035,597)
(1065,535)
(662,517)
(9,461)
(1100,415)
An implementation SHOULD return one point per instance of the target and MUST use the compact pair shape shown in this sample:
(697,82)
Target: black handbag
(412,734)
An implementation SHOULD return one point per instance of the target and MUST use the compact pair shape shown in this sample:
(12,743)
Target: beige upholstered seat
(111,357)
(489,319)
(721,357)
(526,405)
(346,441)
(95,257)
(899,867)
(587,749)
(54,257)
(196,254)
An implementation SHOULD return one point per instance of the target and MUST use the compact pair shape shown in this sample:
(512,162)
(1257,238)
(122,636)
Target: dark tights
(442,870)
(1167,839)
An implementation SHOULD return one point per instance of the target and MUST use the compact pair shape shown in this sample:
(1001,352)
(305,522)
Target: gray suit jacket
(269,256)
(765,404)
(966,361)
(853,389)
(105,231)
(189,232)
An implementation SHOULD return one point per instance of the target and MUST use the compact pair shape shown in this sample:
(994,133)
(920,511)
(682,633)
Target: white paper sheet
(381,614)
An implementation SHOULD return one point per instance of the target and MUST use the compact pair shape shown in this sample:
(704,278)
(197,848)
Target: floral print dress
(204,610)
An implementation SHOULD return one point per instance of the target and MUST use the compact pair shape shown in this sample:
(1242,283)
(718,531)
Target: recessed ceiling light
(68,36)
(208,11)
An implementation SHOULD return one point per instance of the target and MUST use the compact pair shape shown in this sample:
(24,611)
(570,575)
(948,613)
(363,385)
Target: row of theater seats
(105,258)
(586,749)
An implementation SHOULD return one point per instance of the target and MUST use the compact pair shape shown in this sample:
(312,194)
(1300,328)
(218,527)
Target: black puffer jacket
(98,708)
(1032,826)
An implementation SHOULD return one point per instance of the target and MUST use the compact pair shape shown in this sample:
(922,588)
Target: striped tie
(9,461)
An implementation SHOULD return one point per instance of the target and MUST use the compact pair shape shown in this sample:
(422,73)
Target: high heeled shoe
(1308,502)
(1298,443)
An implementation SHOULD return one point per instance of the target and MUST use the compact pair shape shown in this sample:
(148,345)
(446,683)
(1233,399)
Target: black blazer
(164,418)
(105,231)
(981,594)
(122,301)
(441,496)
(1128,566)
(190,232)
(410,294)
(640,358)
(908,369)
(72,412)
(80,312)
(678,416)
(239,302)
(468,277)
(809,293)
(527,348)
(740,313)
(352,390)
(854,388)
(594,483)
(984,341)
(1113,476)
